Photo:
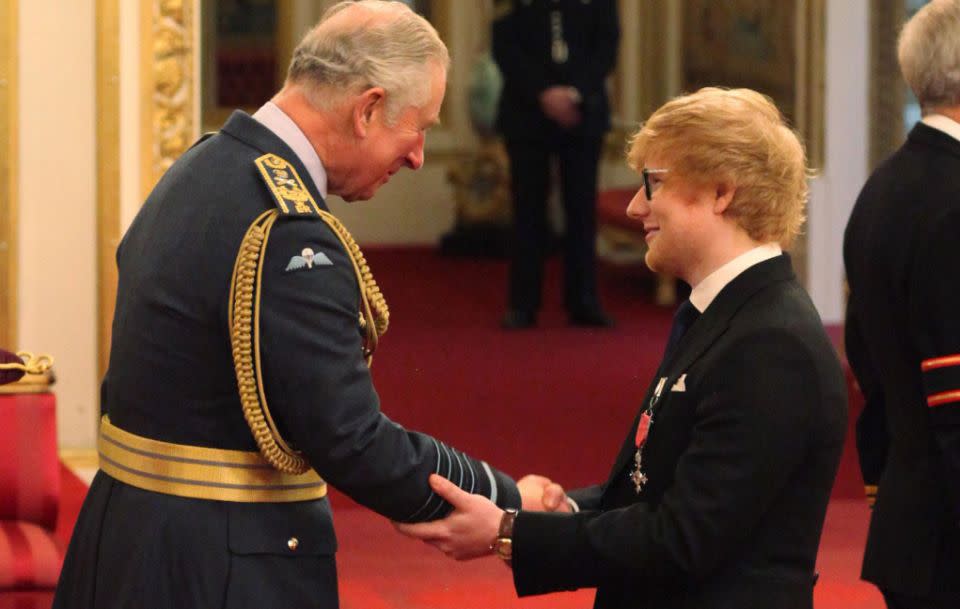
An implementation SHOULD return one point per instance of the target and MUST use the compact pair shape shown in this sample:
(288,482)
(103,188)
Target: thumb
(448,490)
(553,497)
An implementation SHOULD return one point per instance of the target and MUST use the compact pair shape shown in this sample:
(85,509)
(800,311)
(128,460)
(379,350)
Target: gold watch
(503,544)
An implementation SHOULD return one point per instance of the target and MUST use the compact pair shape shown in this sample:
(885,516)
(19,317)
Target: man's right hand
(542,494)
(561,105)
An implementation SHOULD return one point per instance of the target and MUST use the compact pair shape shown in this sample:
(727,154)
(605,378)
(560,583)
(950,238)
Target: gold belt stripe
(199,472)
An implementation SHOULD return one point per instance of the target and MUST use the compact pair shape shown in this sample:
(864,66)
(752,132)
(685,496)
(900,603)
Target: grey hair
(388,46)
(929,54)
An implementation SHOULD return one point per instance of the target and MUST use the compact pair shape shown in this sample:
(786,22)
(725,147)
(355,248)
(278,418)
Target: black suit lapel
(250,131)
(701,335)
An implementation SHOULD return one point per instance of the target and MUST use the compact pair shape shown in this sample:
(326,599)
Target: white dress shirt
(704,292)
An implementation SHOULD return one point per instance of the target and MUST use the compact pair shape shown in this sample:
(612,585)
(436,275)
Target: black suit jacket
(740,468)
(900,250)
(171,377)
(522,43)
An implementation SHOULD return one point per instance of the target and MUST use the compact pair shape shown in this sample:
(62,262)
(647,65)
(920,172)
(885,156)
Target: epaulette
(288,190)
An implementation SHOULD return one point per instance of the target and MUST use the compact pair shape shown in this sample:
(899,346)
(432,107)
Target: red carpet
(554,401)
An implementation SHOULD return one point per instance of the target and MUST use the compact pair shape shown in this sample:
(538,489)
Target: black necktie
(685,317)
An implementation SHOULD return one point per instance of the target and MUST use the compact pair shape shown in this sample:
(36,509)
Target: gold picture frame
(286,33)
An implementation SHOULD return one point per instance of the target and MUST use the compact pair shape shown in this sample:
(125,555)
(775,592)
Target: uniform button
(293,543)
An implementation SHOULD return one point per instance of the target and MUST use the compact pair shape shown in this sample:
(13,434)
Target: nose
(638,208)
(415,157)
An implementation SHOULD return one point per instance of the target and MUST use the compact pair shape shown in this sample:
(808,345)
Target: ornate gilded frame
(168,109)
(168,120)
(9,168)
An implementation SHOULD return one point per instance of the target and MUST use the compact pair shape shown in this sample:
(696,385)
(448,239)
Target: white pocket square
(681,384)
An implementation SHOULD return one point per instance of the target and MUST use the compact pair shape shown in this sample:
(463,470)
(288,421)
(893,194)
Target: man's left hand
(469,529)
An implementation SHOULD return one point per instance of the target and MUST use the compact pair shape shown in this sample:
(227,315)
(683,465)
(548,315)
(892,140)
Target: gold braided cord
(33,364)
(244,319)
(375,317)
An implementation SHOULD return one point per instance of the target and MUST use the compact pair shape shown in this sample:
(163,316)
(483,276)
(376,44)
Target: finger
(449,491)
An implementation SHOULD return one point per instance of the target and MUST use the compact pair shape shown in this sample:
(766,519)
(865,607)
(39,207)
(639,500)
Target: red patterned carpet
(555,401)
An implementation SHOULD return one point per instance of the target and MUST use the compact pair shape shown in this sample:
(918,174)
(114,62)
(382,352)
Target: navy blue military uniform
(172,379)
(538,44)
(903,343)
(748,423)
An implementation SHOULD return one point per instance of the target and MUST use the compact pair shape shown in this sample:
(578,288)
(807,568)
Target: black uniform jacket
(523,38)
(903,326)
(171,378)
(741,457)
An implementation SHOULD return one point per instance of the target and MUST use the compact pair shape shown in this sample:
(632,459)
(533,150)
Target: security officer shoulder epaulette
(291,195)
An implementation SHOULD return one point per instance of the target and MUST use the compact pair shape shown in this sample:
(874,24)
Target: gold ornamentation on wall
(8,173)
(168,85)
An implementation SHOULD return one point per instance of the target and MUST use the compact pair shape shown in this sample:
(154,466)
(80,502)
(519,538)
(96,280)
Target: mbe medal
(637,476)
(643,428)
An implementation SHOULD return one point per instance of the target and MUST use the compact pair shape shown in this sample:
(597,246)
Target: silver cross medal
(637,476)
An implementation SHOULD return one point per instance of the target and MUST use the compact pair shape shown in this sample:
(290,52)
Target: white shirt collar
(704,292)
(276,120)
(943,123)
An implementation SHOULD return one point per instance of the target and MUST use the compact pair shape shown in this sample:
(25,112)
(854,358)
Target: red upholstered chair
(30,556)
(621,238)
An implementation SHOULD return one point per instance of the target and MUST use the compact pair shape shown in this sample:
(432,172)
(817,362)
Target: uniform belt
(199,472)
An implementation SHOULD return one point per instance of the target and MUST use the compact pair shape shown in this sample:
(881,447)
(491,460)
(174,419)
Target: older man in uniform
(555,56)
(246,315)
(903,331)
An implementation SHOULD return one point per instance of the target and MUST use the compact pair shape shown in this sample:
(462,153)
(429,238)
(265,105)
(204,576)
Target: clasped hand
(468,531)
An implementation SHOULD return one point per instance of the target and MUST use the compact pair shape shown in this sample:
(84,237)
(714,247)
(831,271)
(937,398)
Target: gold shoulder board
(291,195)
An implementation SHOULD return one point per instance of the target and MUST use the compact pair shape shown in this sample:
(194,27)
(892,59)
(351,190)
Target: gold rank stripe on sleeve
(940,362)
(870,490)
(200,472)
(291,194)
(944,397)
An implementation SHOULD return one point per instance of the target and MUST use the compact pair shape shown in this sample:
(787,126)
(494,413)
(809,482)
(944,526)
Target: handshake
(469,530)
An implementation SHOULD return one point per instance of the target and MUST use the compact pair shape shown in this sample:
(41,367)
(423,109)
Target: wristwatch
(503,544)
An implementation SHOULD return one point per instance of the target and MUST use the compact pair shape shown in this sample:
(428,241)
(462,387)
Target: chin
(651,261)
(357,196)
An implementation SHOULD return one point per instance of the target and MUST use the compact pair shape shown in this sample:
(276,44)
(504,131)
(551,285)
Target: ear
(366,108)
(723,197)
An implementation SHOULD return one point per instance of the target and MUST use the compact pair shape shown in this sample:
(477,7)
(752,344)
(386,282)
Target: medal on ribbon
(640,439)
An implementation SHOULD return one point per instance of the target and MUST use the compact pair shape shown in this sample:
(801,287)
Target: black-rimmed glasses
(647,187)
